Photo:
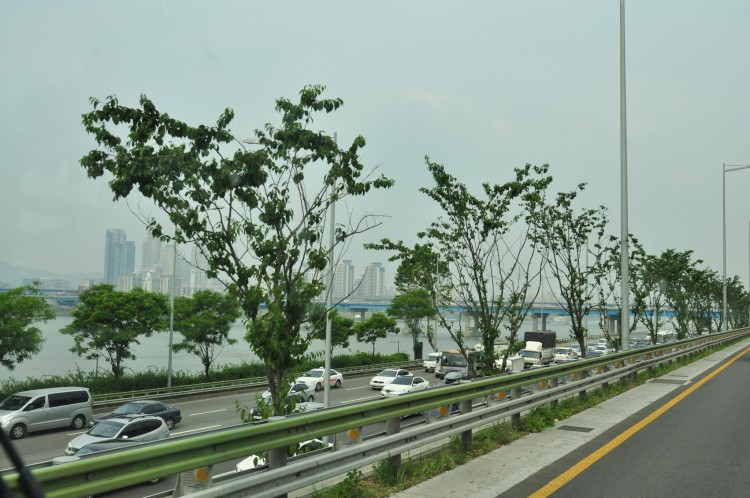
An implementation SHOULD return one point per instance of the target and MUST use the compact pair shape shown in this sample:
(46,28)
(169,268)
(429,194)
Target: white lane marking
(212,411)
(196,430)
(76,433)
(356,388)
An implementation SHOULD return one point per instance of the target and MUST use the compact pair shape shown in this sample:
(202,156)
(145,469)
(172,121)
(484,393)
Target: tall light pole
(329,300)
(624,269)
(171,313)
(725,168)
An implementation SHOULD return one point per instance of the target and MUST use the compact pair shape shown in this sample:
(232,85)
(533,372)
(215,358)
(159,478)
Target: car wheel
(78,422)
(18,431)
(170,424)
(318,387)
(338,383)
(310,398)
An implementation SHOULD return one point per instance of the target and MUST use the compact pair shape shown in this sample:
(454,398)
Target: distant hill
(13,276)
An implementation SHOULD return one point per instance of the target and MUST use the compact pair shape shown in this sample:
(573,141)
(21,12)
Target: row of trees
(258,216)
(108,323)
(492,253)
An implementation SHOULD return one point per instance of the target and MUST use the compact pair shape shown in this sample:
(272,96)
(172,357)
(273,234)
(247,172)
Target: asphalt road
(197,416)
(690,443)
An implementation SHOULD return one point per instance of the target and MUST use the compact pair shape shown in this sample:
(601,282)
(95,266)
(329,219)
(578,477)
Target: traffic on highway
(195,416)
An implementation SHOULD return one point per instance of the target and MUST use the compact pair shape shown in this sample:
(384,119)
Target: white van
(43,409)
(430,362)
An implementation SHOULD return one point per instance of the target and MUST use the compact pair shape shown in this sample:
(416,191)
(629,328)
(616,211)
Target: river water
(56,358)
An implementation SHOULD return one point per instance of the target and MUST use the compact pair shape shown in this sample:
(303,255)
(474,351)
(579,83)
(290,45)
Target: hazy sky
(481,87)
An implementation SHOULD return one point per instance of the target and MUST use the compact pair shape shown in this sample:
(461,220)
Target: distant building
(126,283)
(151,253)
(343,280)
(119,256)
(372,283)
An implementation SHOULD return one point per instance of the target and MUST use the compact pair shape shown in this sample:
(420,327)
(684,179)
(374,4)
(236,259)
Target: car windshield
(404,381)
(106,428)
(561,351)
(14,402)
(128,408)
(387,373)
(314,373)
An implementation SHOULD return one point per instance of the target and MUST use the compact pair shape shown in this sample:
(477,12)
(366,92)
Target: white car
(315,378)
(565,353)
(255,461)
(404,385)
(298,392)
(387,376)
(602,350)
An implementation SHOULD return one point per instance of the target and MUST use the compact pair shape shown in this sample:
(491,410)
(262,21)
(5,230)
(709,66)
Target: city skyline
(155,270)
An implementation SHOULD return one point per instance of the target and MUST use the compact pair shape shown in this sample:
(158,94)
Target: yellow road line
(587,462)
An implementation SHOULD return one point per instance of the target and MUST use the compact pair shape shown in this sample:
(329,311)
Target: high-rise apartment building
(151,253)
(119,256)
(372,284)
(343,280)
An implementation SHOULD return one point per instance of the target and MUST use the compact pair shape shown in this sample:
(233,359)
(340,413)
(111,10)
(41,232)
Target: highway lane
(197,416)
(691,443)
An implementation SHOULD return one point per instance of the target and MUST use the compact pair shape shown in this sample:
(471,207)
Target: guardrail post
(277,458)
(605,369)
(554,382)
(515,420)
(466,435)
(582,375)
(393,426)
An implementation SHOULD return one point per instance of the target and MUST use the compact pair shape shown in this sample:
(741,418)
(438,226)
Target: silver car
(129,427)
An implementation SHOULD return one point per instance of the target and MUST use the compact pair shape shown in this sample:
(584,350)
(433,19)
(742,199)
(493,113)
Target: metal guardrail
(109,472)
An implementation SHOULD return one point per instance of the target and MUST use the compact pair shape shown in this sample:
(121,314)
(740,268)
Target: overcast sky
(481,87)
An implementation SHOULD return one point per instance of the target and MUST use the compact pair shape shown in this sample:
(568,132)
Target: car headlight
(5,420)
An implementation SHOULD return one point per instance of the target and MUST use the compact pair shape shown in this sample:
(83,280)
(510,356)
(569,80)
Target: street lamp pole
(329,299)
(171,314)
(624,269)
(725,168)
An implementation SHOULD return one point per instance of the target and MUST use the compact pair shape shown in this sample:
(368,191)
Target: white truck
(539,348)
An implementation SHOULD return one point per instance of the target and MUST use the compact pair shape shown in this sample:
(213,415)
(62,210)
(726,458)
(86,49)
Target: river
(152,353)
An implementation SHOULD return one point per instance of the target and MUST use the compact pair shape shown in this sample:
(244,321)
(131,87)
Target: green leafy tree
(706,297)
(108,323)
(471,235)
(377,326)
(738,303)
(640,285)
(412,306)
(20,310)
(342,328)
(420,268)
(655,278)
(678,276)
(257,216)
(204,321)
(571,237)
